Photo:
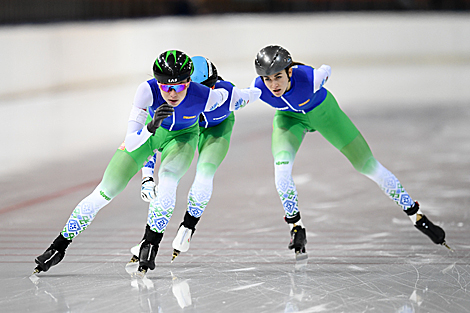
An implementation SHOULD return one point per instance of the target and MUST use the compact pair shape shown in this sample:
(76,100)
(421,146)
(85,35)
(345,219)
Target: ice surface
(364,254)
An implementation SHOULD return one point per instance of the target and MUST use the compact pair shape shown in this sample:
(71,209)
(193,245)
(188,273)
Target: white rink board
(66,89)
(56,57)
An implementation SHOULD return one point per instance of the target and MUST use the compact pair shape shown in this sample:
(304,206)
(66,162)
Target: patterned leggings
(213,146)
(331,122)
(177,148)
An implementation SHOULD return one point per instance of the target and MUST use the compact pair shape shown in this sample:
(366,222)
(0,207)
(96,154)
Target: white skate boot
(133,265)
(181,241)
(184,234)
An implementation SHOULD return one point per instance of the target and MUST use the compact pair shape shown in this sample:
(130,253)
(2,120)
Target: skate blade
(301,256)
(33,277)
(140,274)
(301,260)
(175,255)
(445,245)
(132,266)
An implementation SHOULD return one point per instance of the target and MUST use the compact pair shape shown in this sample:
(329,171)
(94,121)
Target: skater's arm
(320,76)
(241,97)
(137,134)
(216,98)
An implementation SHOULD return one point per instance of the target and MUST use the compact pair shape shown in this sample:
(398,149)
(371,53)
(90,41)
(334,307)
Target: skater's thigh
(287,136)
(178,154)
(214,143)
(360,155)
(120,170)
(332,123)
(223,130)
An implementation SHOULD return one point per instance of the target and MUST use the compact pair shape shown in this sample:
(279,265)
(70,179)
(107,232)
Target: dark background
(50,11)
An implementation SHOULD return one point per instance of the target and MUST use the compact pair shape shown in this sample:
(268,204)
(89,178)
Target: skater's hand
(147,191)
(162,112)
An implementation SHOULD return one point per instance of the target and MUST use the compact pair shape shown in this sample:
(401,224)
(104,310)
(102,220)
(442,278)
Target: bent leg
(120,170)
(360,156)
(213,146)
(287,137)
(176,158)
(340,131)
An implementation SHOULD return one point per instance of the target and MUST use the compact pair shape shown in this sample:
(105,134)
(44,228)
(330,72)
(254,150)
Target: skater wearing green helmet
(215,130)
(174,104)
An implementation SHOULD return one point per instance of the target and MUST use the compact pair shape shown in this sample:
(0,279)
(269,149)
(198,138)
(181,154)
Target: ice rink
(364,253)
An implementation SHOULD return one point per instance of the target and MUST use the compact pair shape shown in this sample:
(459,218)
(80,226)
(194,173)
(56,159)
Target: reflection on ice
(402,287)
(50,294)
(181,291)
(142,283)
(416,298)
(34,279)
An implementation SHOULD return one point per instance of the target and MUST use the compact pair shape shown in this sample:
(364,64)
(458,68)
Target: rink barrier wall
(405,49)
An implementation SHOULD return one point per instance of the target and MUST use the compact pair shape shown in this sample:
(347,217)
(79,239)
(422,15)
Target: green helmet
(172,66)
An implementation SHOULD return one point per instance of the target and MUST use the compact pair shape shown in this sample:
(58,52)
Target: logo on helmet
(172,80)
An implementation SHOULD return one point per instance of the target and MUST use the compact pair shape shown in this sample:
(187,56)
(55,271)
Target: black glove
(162,112)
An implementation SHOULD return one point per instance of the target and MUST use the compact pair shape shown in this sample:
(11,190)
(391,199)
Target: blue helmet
(204,72)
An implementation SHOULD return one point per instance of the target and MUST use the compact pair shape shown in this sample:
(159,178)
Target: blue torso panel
(300,98)
(187,112)
(213,118)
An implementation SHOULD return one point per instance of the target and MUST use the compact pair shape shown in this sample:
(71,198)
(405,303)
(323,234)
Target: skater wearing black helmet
(303,105)
(174,105)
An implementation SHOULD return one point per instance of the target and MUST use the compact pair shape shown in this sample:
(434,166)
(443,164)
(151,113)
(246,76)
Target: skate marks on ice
(347,290)
(359,261)
(368,273)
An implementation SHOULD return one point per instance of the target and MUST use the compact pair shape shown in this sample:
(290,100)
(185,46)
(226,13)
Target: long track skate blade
(175,255)
(301,260)
(445,245)
(33,277)
(140,274)
(299,256)
(133,265)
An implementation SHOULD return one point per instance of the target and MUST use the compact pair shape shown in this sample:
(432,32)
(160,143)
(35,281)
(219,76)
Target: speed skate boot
(298,237)
(434,232)
(148,251)
(184,235)
(133,265)
(53,255)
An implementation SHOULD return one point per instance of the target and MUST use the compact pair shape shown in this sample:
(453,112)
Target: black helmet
(205,71)
(272,59)
(172,66)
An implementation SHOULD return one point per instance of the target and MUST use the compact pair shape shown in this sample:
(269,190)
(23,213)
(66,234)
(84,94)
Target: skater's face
(279,82)
(174,93)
